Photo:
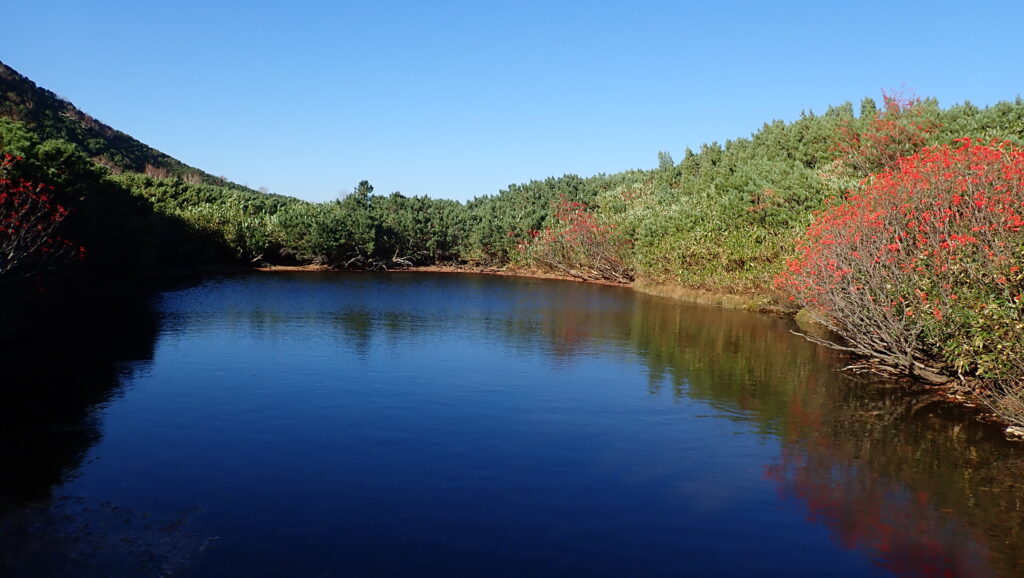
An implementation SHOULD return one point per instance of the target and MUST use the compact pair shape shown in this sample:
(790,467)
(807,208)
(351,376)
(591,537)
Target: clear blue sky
(460,99)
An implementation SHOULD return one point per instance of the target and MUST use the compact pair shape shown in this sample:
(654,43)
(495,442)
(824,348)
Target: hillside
(51,117)
(134,209)
(102,196)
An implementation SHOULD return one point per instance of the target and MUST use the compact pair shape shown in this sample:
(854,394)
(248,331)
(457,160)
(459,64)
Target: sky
(461,99)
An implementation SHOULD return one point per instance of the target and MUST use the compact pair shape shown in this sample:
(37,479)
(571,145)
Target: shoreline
(448,269)
(759,303)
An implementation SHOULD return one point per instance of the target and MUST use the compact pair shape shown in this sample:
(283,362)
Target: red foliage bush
(28,221)
(579,246)
(924,268)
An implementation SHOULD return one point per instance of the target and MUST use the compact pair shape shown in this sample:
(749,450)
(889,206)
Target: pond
(398,424)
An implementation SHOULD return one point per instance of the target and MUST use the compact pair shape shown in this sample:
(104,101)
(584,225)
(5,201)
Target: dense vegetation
(722,219)
(921,269)
(123,236)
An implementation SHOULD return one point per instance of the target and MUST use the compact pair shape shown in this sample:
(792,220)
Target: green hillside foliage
(724,218)
(50,117)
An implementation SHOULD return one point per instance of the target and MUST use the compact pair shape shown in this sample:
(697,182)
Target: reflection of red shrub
(900,531)
(925,261)
(28,220)
(580,246)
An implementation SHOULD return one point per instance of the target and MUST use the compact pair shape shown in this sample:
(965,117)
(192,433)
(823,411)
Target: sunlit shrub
(579,245)
(922,269)
(252,237)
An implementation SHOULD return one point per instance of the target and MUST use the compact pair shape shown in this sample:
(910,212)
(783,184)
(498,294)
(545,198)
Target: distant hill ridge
(52,117)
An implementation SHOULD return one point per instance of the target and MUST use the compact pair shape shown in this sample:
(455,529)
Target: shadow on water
(59,372)
(56,374)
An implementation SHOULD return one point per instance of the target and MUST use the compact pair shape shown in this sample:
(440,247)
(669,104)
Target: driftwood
(379,263)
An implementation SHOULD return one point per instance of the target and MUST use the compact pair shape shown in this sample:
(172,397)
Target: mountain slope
(51,117)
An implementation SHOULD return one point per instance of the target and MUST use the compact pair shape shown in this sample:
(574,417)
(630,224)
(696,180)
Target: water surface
(416,424)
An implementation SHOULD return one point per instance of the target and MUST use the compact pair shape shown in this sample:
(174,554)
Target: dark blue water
(433,425)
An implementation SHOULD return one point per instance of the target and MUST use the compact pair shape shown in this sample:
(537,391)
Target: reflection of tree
(572,321)
(885,470)
(900,531)
(357,327)
(747,365)
(566,318)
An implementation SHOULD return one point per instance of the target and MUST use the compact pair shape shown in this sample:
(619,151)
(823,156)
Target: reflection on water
(426,424)
(920,487)
(911,481)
